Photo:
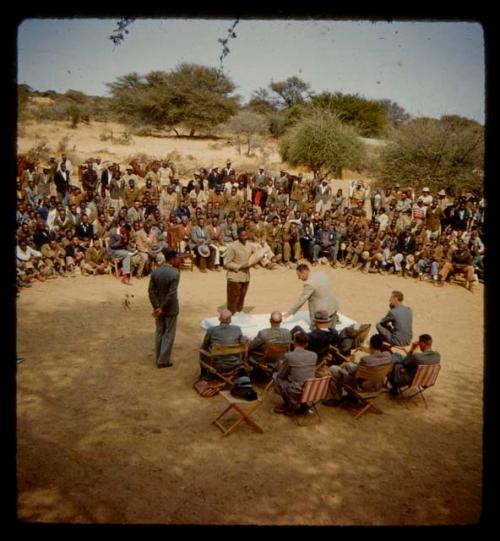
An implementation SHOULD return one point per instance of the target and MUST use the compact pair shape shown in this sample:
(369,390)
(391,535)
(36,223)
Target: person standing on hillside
(162,292)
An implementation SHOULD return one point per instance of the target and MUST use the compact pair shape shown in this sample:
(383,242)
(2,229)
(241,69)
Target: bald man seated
(274,334)
(224,333)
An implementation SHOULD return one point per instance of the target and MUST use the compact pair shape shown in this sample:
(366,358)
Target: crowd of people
(78,220)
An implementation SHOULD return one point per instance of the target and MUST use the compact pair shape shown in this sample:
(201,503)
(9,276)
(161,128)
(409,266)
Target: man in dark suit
(162,292)
(322,335)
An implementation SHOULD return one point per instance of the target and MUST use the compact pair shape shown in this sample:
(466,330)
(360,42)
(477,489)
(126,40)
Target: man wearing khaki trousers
(237,262)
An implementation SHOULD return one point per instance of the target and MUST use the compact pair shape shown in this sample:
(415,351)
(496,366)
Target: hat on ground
(243,381)
(425,190)
(322,316)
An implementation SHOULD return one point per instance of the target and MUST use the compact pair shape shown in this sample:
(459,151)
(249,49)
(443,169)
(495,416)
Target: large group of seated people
(78,221)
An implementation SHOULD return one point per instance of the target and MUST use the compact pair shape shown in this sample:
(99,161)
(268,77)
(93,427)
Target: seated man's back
(272,335)
(225,333)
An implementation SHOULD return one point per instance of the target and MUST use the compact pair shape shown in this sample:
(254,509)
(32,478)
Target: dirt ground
(105,437)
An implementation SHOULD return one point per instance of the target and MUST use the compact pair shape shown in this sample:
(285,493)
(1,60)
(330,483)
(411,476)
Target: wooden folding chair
(186,262)
(271,354)
(220,350)
(425,377)
(244,413)
(376,375)
(314,390)
(361,337)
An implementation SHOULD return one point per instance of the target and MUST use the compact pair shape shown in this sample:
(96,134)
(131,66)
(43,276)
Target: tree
(395,113)
(75,114)
(246,127)
(290,92)
(261,102)
(324,144)
(369,117)
(191,96)
(23,94)
(441,154)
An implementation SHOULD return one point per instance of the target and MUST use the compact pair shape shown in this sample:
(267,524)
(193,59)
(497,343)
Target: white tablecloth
(251,324)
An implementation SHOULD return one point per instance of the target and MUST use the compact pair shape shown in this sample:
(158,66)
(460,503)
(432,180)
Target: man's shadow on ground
(246,309)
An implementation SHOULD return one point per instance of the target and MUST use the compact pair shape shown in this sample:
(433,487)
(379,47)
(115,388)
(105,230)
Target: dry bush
(62,146)
(41,151)
(174,156)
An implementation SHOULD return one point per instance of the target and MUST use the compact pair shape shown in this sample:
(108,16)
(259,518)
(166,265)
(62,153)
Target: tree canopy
(442,154)
(323,143)
(191,96)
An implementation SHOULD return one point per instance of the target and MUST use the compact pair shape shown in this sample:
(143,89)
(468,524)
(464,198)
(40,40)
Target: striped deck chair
(314,390)
(425,377)
(376,374)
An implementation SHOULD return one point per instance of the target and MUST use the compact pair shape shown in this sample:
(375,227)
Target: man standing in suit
(162,292)
(318,291)
(396,326)
(237,262)
(297,366)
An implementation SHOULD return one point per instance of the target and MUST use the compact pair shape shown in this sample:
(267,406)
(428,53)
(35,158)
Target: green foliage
(276,122)
(368,116)
(441,154)
(396,115)
(261,102)
(74,113)
(290,92)
(325,145)
(191,96)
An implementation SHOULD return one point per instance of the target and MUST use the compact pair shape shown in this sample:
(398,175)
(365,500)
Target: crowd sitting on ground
(78,221)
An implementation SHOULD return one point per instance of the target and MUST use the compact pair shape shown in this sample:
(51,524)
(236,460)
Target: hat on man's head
(441,192)
(425,190)
(168,254)
(321,316)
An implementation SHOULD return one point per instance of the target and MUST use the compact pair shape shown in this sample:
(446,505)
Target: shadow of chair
(374,375)
(221,350)
(314,390)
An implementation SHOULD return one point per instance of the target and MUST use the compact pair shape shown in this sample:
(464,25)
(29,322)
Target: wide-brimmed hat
(321,316)
(425,190)
(441,192)
(203,250)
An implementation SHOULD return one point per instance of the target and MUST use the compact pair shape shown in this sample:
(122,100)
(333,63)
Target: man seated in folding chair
(397,326)
(322,336)
(275,334)
(404,368)
(346,373)
(297,366)
(230,366)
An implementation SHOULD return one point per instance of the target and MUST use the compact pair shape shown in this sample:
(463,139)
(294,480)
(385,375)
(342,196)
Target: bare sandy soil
(105,436)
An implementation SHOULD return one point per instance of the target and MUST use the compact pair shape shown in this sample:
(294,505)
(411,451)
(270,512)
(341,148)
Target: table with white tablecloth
(251,324)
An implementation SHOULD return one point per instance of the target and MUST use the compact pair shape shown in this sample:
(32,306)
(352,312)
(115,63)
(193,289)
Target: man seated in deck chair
(347,372)
(225,333)
(274,334)
(322,335)
(404,368)
(297,366)
(396,326)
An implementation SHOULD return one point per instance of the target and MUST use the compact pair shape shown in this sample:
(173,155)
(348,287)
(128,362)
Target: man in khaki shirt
(237,263)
